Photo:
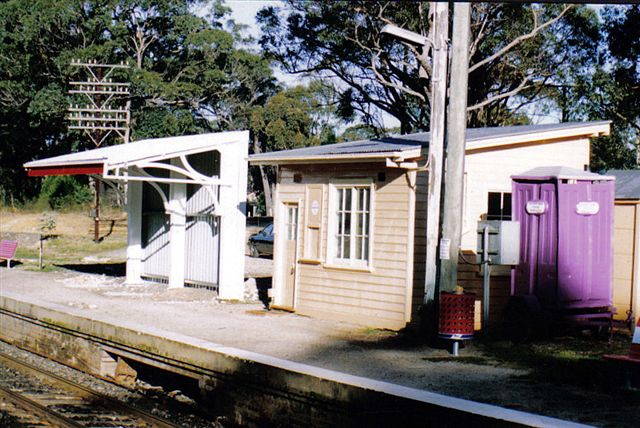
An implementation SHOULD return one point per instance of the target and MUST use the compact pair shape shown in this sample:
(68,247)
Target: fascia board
(595,130)
(176,148)
(141,160)
(137,152)
(351,157)
(43,163)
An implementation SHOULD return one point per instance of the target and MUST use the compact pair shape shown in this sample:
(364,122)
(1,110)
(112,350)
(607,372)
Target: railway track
(37,398)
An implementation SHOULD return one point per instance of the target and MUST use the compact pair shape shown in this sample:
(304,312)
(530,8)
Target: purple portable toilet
(566,231)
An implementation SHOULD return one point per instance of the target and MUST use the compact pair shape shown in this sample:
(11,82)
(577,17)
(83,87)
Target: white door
(290,247)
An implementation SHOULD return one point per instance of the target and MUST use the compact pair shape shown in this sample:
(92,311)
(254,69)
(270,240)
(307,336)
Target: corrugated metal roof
(561,172)
(475,134)
(627,183)
(384,145)
(411,142)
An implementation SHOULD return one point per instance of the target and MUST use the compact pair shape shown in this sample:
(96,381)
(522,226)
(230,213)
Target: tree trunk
(266,186)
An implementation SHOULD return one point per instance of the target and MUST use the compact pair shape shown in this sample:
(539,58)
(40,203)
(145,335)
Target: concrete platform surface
(343,347)
(197,313)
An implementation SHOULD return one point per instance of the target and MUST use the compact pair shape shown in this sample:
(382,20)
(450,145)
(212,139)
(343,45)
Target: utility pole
(452,214)
(438,38)
(439,35)
(100,118)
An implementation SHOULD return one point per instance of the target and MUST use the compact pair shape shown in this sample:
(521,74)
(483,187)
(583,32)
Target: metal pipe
(96,221)
(485,278)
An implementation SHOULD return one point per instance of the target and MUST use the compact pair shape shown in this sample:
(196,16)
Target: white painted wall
(491,171)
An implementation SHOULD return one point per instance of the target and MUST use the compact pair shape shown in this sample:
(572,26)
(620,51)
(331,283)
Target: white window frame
(350,263)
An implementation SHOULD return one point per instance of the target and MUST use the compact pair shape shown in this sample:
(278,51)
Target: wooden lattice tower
(104,113)
(101,116)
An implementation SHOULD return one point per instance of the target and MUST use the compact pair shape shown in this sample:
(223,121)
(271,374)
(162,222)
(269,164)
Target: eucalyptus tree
(188,72)
(515,53)
(623,38)
(607,86)
(288,120)
(618,98)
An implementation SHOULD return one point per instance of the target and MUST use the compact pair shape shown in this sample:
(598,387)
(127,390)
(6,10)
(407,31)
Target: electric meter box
(504,241)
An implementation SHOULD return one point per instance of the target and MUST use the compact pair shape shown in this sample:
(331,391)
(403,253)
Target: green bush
(64,191)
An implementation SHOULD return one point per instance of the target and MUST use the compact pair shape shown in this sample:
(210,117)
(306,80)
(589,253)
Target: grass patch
(478,361)
(26,253)
(570,360)
(45,268)
(264,312)
(70,249)
(79,247)
(370,331)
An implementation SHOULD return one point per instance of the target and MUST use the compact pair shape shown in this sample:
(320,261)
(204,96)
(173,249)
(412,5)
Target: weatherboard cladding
(627,183)
(355,295)
(408,142)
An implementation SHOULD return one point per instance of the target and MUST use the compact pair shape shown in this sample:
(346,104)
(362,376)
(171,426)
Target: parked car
(261,243)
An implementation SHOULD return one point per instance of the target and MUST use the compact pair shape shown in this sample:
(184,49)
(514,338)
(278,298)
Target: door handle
(293,269)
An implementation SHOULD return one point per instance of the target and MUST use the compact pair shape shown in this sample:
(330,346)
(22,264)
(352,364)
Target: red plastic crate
(456,315)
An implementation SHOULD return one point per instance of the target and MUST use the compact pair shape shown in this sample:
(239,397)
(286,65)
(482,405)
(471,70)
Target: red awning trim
(66,170)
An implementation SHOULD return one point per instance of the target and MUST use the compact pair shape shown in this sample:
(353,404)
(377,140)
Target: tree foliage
(64,191)
(620,96)
(623,37)
(289,119)
(515,53)
(188,74)
(607,86)
(286,120)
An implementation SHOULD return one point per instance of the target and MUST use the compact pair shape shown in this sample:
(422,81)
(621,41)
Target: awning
(126,162)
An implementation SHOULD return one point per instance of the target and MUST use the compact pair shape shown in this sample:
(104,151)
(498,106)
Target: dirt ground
(563,375)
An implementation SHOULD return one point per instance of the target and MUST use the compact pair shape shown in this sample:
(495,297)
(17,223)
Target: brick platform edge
(246,387)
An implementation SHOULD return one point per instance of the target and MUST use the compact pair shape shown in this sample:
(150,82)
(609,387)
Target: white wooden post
(134,235)
(233,198)
(177,232)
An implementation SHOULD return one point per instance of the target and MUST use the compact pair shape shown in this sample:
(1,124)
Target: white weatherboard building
(185,204)
(349,218)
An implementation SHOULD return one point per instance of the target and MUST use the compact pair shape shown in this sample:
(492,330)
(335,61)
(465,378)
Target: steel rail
(40,411)
(82,390)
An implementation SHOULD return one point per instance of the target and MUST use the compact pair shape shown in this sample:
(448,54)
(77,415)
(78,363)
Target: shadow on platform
(109,269)
(14,263)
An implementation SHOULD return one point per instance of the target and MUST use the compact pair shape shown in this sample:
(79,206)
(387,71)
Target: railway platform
(255,365)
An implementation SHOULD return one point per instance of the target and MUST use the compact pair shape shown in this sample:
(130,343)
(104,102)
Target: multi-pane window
(292,222)
(499,206)
(352,218)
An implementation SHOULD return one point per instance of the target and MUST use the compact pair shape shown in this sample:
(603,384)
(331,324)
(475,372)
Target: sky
(244,12)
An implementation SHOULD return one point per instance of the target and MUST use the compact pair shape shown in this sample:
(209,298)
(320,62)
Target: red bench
(8,251)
